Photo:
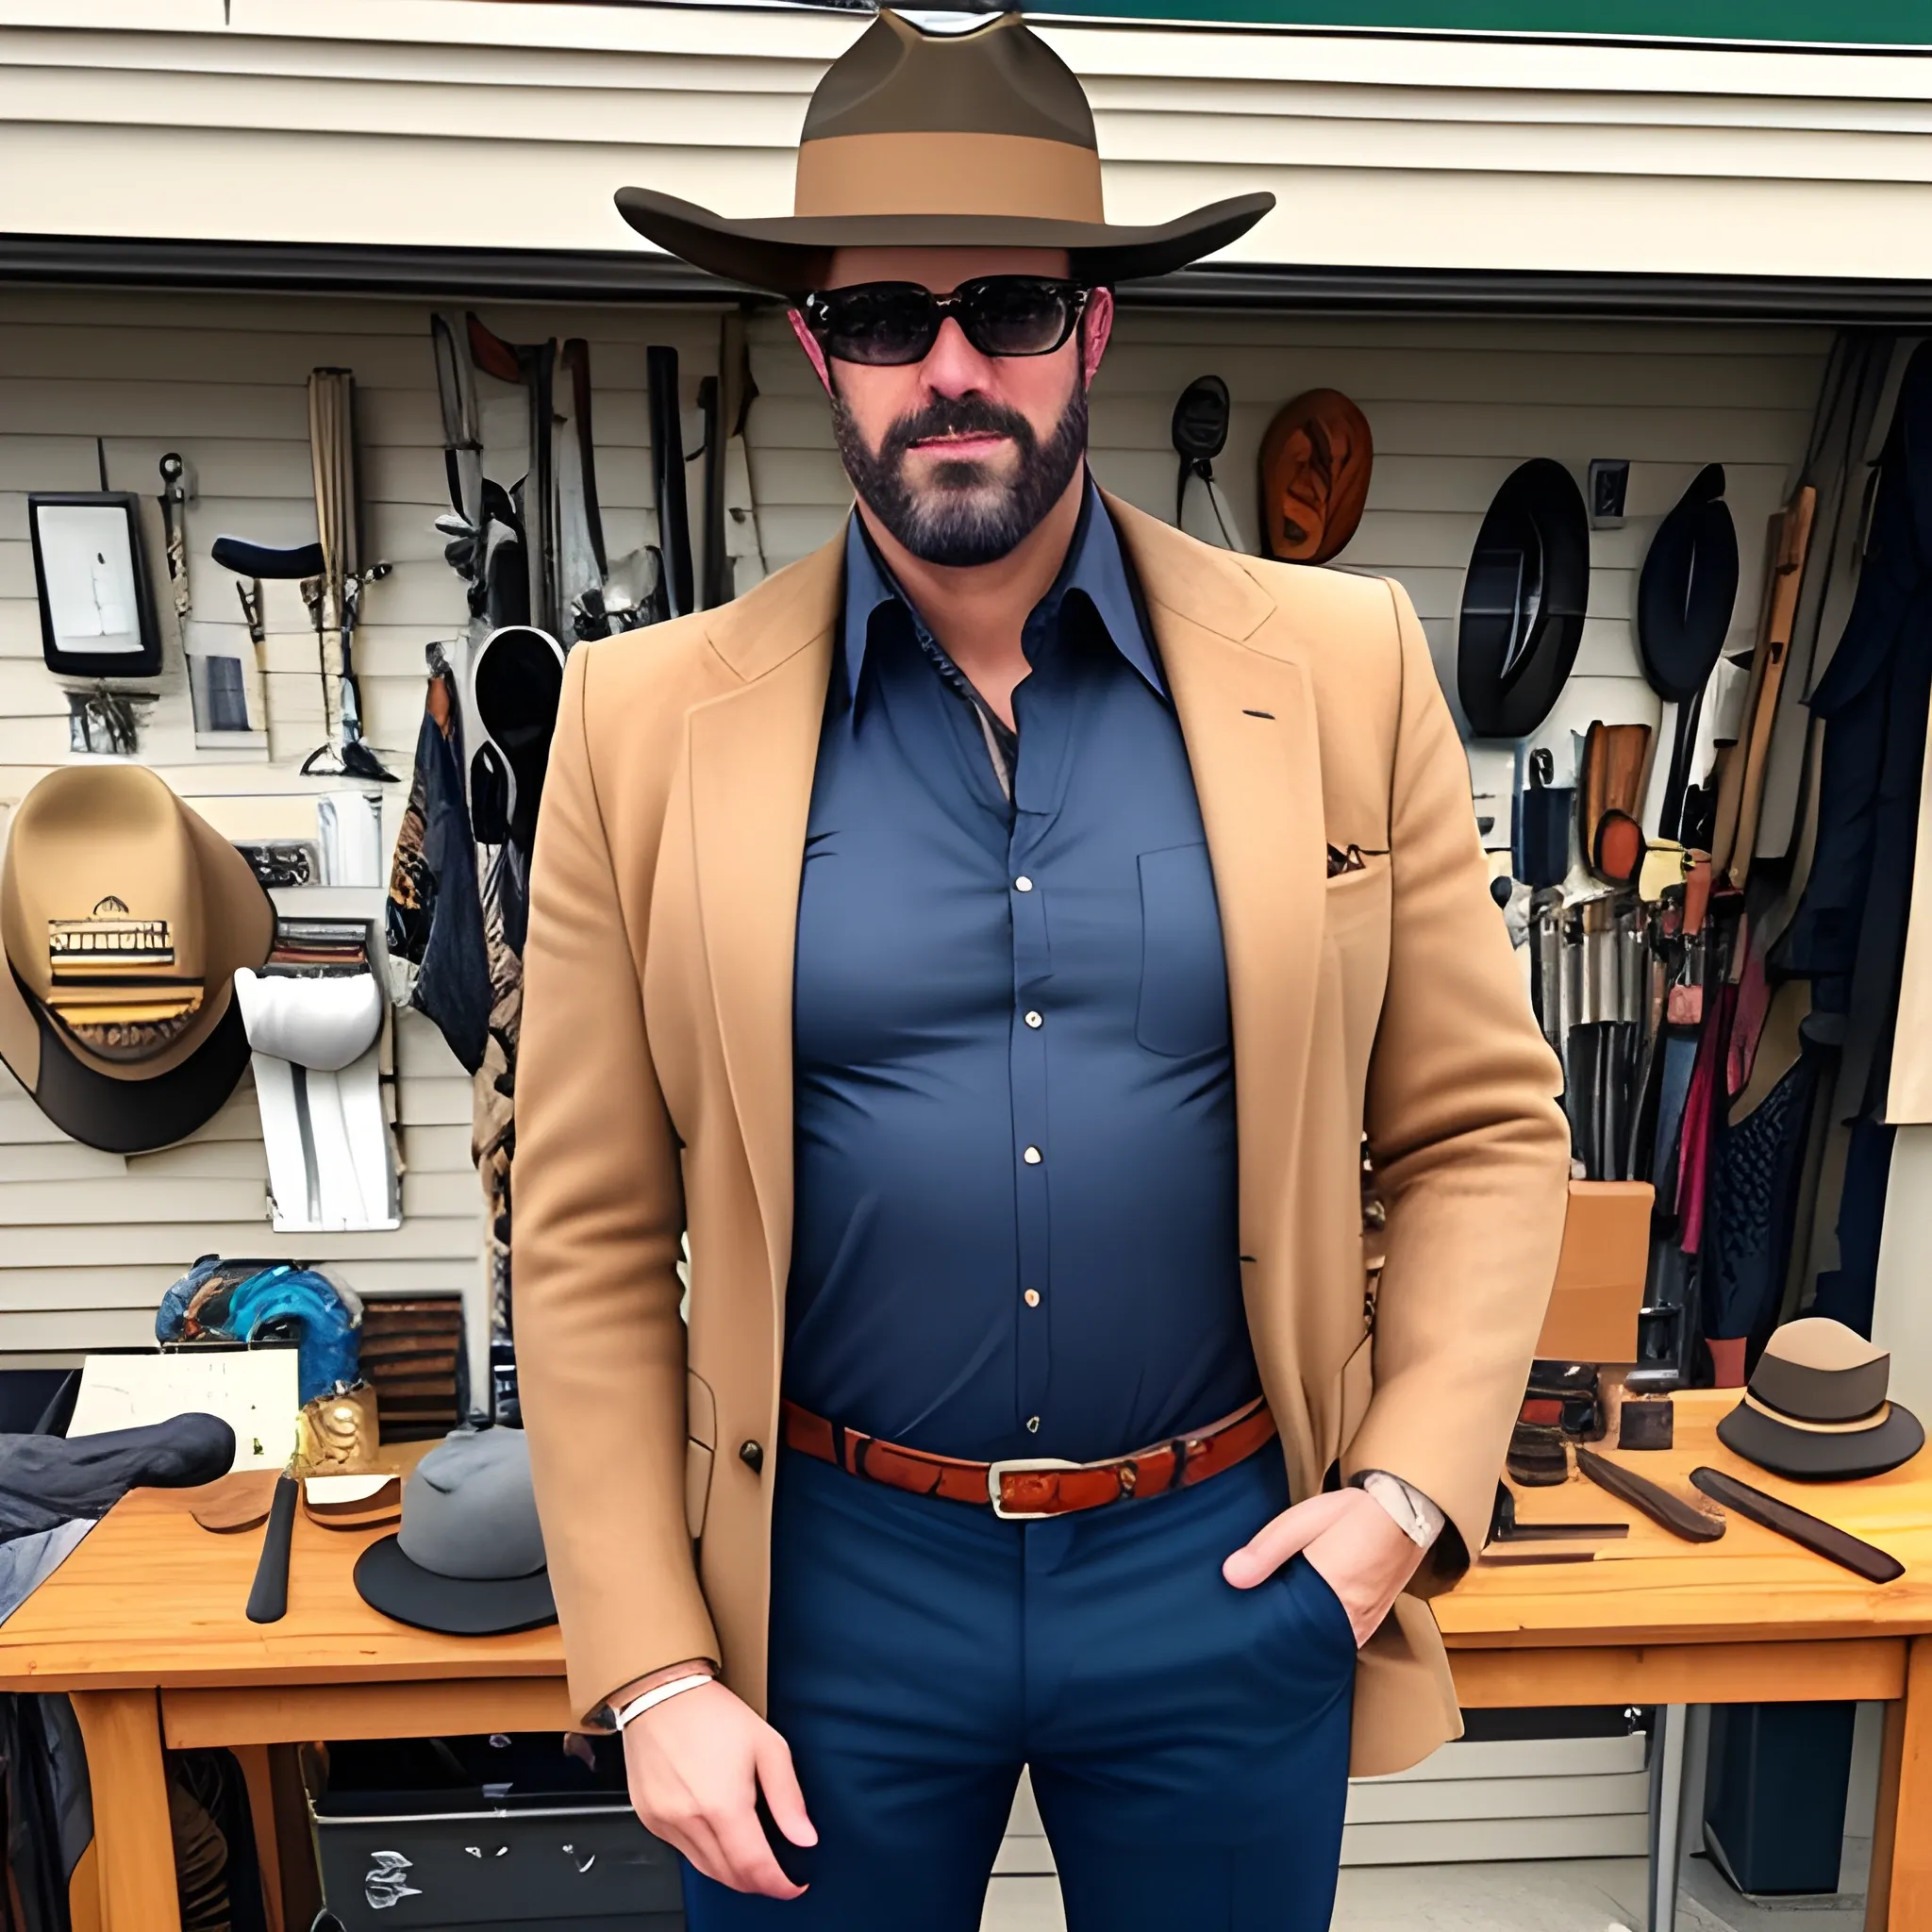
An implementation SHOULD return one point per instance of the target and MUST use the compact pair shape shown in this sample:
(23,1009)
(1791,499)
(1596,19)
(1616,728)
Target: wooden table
(144,1626)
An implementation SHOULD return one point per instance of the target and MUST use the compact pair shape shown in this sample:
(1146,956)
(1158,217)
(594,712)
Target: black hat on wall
(1522,601)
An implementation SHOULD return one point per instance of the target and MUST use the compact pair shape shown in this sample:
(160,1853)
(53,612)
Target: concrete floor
(1553,1895)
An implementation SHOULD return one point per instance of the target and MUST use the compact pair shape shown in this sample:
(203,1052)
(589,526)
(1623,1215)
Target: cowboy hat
(123,916)
(972,139)
(1315,463)
(1522,601)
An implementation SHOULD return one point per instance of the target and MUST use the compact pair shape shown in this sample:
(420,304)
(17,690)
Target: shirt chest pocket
(1183,1003)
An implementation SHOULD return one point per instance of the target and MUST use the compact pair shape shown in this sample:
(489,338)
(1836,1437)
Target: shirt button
(1032,1297)
(1031,1157)
(1034,1019)
(1033,1426)
(1023,884)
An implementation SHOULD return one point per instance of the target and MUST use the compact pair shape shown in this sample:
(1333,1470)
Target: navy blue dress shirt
(1015,1230)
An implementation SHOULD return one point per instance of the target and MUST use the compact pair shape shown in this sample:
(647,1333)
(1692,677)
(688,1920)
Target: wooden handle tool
(268,1601)
(1808,1532)
(1667,1511)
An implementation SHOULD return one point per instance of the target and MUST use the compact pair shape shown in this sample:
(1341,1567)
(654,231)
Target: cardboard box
(1600,1274)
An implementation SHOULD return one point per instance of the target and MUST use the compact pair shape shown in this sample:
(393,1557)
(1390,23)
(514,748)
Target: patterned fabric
(434,921)
(1753,1202)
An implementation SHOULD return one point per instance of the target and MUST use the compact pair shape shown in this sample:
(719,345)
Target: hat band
(1862,1425)
(1009,175)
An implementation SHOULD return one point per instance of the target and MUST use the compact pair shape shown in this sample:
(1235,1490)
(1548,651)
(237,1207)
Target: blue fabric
(235,1301)
(1188,1741)
(919,1082)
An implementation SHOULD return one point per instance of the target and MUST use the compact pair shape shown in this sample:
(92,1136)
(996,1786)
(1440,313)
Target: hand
(1349,1538)
(695,1764)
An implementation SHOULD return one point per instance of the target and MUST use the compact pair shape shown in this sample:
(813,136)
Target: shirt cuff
(1412,1512)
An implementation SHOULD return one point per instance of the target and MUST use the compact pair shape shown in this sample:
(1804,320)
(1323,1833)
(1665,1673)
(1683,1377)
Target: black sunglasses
(890,324)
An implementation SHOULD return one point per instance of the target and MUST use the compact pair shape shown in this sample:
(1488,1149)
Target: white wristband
(660,1694)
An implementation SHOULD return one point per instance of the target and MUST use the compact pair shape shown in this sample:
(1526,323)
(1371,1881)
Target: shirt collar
(1097,567)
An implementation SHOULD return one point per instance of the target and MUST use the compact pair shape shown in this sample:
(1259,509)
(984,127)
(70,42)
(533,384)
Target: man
(990,939)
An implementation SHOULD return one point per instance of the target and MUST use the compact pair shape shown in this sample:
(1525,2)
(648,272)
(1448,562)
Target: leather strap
(1178,1463)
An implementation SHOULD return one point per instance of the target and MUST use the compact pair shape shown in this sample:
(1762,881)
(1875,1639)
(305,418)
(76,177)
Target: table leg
(1891,1750)
(1908,1837)
(253,1758)
(1666,1812)
(135,1847)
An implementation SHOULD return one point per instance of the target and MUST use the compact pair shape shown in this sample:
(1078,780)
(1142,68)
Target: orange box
(1600,1274)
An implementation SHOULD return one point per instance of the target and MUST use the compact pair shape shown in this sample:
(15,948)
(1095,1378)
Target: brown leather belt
(1025,1488)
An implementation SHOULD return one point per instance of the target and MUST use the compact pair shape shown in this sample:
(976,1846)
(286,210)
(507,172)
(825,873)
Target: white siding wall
(89,1240)
(488,124)
(1454,406)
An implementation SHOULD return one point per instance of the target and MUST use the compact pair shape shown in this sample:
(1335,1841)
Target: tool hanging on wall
(332,459)
(667,478)
(1685,598)
(581,563)
(175,523)
(532,367)
(1198,431)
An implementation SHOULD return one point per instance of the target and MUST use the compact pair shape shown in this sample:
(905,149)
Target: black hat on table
(467,1558)
(1816,1407)
(1522,601)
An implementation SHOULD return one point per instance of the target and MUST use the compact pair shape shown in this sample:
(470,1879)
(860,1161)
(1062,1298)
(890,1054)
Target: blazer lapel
(753,752)
(1247,714)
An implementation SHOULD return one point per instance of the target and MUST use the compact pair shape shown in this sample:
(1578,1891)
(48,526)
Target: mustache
(967,415)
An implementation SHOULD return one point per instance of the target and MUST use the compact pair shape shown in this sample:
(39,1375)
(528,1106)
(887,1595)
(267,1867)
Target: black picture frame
(62,658)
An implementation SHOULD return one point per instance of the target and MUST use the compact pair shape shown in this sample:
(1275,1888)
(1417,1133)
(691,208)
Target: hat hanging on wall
(123,916)
(1816,1407)
(1199,433)
(1316,459)
(1685,598)
(467,1558)
(1522,601)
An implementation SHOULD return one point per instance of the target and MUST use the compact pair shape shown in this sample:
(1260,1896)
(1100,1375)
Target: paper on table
(253,1390)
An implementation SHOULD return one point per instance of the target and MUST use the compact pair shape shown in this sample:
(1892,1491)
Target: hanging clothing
(434,919)
(1848,935)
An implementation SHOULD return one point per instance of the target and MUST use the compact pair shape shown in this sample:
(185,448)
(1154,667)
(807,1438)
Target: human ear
(810,343)
(1096,326)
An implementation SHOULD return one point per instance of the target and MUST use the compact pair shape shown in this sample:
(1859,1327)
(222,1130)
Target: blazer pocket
(701,1436)
(1349,896)
(1183,1006)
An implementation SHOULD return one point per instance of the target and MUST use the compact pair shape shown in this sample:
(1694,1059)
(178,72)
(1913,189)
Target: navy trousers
(1188,1741)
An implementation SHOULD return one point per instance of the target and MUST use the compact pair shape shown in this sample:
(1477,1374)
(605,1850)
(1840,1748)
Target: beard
(964,515)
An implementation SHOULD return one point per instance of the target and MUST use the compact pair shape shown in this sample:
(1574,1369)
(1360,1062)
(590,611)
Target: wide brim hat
(123,917)
(468,1560)
(1317,456)
(975,140)
(1524,600)
(1816,1408)
(1688,589)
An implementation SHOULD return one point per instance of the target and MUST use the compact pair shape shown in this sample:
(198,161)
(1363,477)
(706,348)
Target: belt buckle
(1018,1465)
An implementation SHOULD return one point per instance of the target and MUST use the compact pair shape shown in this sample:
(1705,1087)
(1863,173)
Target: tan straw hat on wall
(982,139)
(123,916)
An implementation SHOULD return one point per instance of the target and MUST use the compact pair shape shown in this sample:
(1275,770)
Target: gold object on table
(337,1431)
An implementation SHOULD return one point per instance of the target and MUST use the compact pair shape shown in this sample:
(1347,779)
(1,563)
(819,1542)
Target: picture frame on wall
(97,606)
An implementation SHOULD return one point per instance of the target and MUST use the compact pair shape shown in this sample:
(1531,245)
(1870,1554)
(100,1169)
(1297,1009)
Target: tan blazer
(654,1090)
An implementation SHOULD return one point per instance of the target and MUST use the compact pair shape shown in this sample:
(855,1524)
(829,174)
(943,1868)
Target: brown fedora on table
(1316,459)
(123,916)
(981,139)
